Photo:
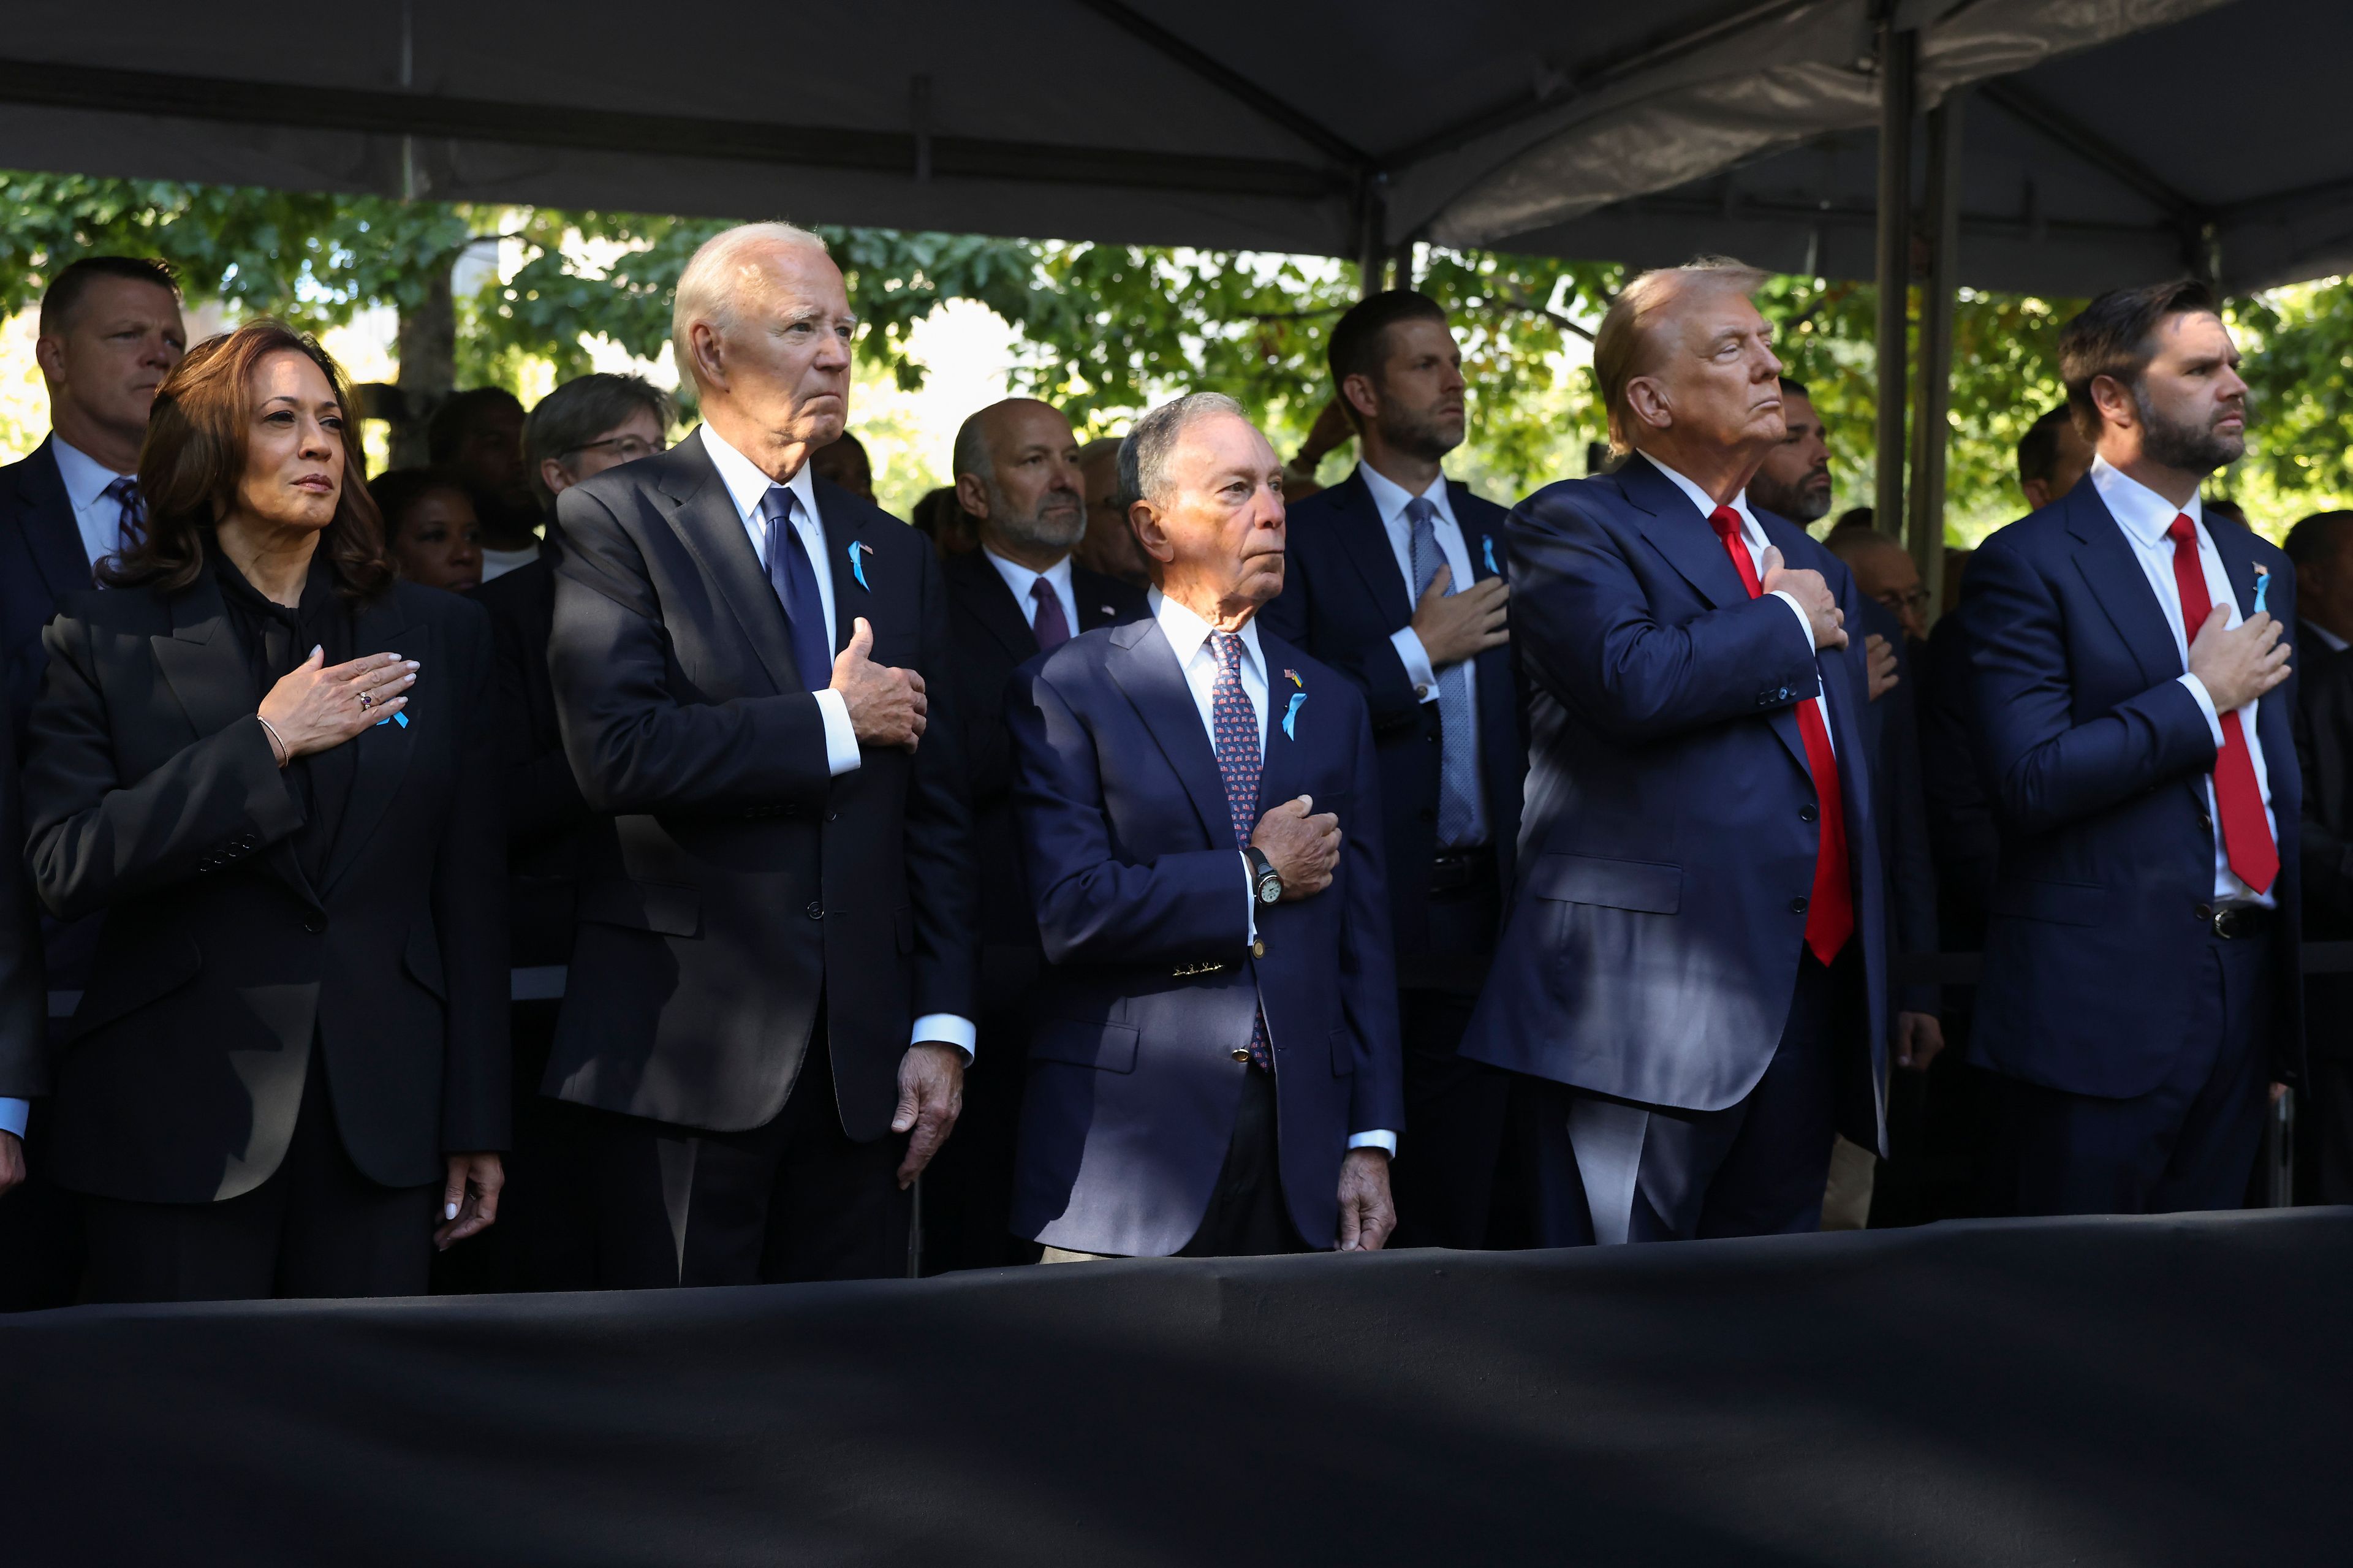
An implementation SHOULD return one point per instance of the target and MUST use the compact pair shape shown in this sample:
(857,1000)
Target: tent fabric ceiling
(2199,146)
(1269,126)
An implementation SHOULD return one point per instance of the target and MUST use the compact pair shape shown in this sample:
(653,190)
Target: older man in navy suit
(1214,1069)
(1393,578)
(2134,716)
(1697,949)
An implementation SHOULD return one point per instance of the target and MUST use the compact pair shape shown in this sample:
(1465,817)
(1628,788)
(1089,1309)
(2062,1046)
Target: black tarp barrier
(2107,1392)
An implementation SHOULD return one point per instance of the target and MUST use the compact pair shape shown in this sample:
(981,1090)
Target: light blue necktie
(1458,718)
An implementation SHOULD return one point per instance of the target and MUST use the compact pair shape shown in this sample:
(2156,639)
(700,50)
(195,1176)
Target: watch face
(1268,889)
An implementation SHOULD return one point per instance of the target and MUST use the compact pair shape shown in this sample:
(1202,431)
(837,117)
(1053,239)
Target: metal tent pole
(1933,397)
(1898,62)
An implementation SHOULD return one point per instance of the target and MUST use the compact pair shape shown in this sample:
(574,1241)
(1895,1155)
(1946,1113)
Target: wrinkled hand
(314,709)
(887,706)
(1918,1038)
(1366,1215)
(1880,655)
(1813,595)
(11,1161)
(470,1198)
(1305,849)
(1454,628)
(931,1098)
(2238,666)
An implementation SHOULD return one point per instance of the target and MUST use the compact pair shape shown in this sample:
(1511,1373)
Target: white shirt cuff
(1416,660)
(840,735)
(1805,622)
(2205,701)
(946,1029)
(1249,893)
(13,1115)
(1386,1142)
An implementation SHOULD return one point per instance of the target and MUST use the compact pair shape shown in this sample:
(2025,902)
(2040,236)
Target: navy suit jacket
(41,561)
(1151,986)
(1891,727)
(1668,845)
(2095,756)
(1342,598)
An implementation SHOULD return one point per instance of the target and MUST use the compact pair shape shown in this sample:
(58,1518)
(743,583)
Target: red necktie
(1829,913)
(2238,803)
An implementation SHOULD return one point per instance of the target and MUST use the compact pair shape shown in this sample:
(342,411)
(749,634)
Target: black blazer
(1342,598)
(151,794)
(737,886)
(1891,728)
(2323,744)
(41,561)
(24,1037)
(547,815)
(990,630)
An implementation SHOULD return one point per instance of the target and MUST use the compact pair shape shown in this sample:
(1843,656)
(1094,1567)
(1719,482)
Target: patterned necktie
(1052,626)
(131,509)
(1458,720)
(1830,911)
(1235,725)
(794,581)
(2247,840)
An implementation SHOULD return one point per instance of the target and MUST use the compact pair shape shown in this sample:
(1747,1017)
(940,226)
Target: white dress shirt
(1018,578)
(1188,634)
(748,487)
(2145,515)
(1752,533)
(99,519)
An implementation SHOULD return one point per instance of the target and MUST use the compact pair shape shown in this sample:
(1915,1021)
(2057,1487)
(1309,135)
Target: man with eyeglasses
(582,428)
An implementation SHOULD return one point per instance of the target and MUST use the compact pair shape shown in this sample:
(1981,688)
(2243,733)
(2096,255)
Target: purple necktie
(1054,627)
(131,515)
(1235,725)
(794,581)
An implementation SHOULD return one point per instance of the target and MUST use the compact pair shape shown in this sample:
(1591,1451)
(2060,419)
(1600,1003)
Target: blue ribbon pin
(2262,587)
(1489,542)
(1291,713)
(857,561)
(399,719)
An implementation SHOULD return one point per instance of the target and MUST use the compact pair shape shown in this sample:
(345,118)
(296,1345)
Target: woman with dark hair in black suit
(274,769)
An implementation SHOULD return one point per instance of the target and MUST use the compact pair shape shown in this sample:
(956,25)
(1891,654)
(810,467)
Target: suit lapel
(993,605)
(1099,599)
(2106,559)
(1145,665)
(843,521)
(384,747)
(2274,721)
(1282,767)
(1677,531)
(50,533)
(206,669)
(1366,542)
(1478,542)
(704,518)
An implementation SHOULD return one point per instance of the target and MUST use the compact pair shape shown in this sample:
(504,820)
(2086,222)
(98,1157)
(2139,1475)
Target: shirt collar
(1702,500)
(747,486)
(86,478)
(2140,510)
(1019,577)
(1186,632)
(1390,497)
(2328,640)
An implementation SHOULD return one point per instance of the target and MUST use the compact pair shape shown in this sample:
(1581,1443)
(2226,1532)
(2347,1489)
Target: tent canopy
(1275,126)
(2170,151)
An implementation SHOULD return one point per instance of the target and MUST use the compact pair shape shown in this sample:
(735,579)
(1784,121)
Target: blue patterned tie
(795,580)
(1236,727)
(1458,720)
(131,513)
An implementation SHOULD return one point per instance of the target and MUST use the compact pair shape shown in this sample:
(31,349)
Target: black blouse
(276,639)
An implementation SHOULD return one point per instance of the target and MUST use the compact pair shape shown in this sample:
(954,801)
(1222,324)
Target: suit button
(833,817)
(2204,911)
(1240,1053)
(1807,812)
(815,911)
(315,921)
(1797,906)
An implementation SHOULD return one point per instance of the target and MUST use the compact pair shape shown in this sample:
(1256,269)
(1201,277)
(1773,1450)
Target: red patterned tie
(1830,912)
(2238,802)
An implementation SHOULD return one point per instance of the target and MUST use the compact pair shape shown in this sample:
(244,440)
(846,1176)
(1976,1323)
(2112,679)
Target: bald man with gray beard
(1021,595)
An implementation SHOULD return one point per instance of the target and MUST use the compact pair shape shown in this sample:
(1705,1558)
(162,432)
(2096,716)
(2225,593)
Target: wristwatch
(1265,880)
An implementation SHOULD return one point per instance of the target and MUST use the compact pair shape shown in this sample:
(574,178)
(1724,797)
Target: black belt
(2236,922)
(1451,870)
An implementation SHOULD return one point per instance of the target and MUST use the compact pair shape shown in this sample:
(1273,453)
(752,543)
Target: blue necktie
(130,523)
(1235,723)
(1458,719)
(795,580)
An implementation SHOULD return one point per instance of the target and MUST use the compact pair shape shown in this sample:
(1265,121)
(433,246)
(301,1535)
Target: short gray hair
(707,290)
(582,409)
(1143,454)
